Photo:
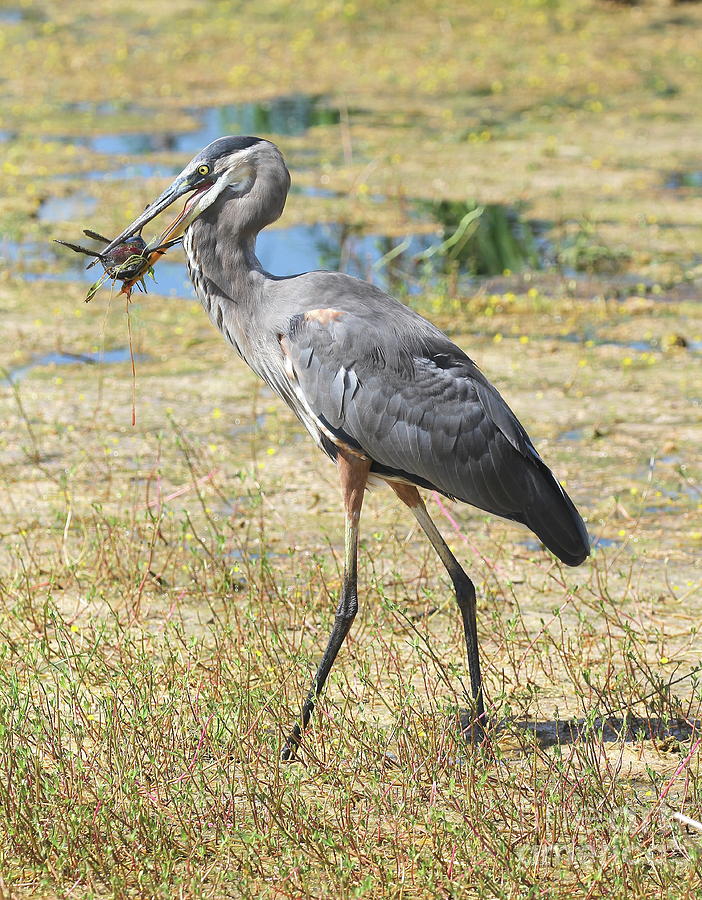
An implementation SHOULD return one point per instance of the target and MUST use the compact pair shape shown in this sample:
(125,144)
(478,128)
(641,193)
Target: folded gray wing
(416,405)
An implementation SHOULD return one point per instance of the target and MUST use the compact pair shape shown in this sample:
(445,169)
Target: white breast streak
(305,411)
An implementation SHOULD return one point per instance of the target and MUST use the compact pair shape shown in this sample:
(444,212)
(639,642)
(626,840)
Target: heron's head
(248,169)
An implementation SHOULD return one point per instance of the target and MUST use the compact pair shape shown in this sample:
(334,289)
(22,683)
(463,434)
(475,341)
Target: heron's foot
(292,745)
(473,728)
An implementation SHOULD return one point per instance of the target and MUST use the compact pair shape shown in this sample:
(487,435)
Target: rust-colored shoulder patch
(324,316)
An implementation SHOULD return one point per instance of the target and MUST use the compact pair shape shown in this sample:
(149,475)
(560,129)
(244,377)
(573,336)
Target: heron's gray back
(384,379)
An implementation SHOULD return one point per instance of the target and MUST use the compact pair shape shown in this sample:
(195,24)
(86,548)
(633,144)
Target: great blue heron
(381,390)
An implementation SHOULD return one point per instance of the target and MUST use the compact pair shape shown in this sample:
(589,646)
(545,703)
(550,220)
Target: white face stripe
(233,160)
(235,172)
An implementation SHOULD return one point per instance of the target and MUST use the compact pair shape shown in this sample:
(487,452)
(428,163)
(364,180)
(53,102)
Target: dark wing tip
(556,521)
(575,559)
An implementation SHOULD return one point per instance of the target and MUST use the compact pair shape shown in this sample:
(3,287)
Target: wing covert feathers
(405,396)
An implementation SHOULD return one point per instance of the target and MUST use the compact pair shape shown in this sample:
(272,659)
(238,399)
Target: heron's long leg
(465,590)
(353,471)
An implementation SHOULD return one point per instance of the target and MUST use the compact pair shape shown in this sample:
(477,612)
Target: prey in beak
(171,235)
(225,163)
(128,258)
(124,262)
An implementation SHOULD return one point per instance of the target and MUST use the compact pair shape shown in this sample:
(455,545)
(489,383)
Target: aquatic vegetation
(486,239)
(583,250)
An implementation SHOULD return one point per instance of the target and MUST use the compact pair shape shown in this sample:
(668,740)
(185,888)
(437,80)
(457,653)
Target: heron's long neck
(227,277)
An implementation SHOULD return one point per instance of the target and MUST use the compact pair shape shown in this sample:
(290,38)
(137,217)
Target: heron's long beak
(175,190)
(181,186)
(188,214)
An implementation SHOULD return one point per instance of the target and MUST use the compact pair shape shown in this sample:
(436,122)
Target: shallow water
(593,339)
(62,209)
(499,235)
(289,116)
(102,357)
(575,434)
(677,180)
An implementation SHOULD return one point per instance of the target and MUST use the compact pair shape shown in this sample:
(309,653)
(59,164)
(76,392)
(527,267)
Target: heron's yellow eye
(203,170)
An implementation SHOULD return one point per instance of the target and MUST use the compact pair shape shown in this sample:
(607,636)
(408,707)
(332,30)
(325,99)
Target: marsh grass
(166,591)
(159,631)
(140,731)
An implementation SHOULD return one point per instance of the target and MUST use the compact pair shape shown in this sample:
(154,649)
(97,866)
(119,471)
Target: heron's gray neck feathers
(220,246)
(228,280)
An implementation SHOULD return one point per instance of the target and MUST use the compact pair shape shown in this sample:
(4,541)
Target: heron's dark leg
(465,592)
(353,472)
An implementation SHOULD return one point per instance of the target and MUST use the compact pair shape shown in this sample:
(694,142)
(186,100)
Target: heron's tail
(555,520)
